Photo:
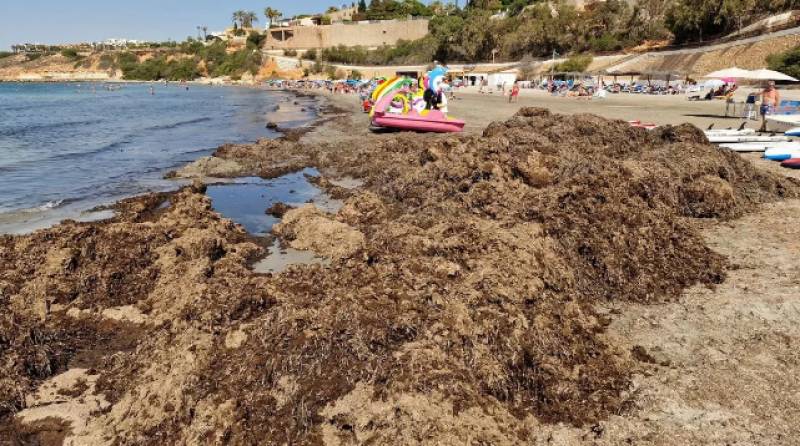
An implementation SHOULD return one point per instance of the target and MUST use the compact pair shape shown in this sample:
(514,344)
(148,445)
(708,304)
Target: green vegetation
(534,28)
(244,19)
(393,9)
(272,14)
(575,64)
(185,64)
(255,40)
(528,28)
(293,53)
(106,62)
(787,62)
(310,54)
(330,71)
(4,54)
(160,68)
(70,53)
(405,51)
(697,20)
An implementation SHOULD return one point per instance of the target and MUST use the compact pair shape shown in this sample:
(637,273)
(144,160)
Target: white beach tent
(733,73)
(738,73)
(770,75)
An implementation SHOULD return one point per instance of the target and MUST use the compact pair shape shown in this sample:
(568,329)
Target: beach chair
(750,111)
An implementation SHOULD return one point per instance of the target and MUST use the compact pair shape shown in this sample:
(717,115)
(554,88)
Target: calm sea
(66,148)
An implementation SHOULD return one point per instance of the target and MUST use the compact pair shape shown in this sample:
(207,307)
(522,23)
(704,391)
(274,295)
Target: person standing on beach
(770,98)
(514,95)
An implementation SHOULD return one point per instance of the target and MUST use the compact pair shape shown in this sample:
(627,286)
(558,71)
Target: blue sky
(57,21)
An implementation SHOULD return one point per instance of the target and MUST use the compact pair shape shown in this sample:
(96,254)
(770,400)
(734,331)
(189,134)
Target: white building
(121,42)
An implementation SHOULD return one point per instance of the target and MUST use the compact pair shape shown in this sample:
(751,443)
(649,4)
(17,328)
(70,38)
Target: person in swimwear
(770,98)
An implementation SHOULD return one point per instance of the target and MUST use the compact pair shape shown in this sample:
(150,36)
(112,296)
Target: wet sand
(711,364)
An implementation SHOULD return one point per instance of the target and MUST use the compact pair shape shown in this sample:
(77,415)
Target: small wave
(17,166)
(50,205)
(178,124)
(17,131)
(47,206)
(73,155)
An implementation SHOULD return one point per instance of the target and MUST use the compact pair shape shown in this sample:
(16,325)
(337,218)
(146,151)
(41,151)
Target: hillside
(189,60)
(54,67)
(221,62)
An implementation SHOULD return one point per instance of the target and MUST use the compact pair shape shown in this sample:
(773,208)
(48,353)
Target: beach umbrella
(713,83)
(770,75)
(733,72)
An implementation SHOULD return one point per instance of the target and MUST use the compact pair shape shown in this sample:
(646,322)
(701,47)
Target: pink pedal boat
(427,121)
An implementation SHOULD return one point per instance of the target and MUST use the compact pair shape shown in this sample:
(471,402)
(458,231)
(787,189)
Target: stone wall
(369,34)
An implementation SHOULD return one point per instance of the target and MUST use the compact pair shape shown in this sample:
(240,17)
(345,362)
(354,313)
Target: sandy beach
(545,278)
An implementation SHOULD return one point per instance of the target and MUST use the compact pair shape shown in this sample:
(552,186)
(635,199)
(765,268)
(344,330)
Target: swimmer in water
(152,91)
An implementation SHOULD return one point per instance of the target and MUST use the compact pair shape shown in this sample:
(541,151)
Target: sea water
(68,147)
(245,200)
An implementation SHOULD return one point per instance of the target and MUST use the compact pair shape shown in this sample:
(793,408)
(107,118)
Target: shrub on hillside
(310,54)
(159,68)
(403,52)
(606,42)
(330,72)
(106,62)
(191,47)
(787,62)
(4,54)
(575,64)
(238,63)
(69,53)
(255,40)
(318,67)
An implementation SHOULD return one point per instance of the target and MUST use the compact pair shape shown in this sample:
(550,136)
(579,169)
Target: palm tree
(248,17)
(271,15)
(202,32)
(237,18)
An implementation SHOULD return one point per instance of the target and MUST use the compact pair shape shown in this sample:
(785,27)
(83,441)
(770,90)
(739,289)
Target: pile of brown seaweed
(459,303)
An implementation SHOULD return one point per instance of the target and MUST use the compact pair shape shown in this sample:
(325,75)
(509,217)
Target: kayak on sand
(778,154)
(760,146)
(791,163)
(745,138)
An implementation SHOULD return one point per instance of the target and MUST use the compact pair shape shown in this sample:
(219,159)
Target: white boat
(730,132)
(794,131)
(793,119)
(760,146)
(783,122)
(746,138)
(782,154)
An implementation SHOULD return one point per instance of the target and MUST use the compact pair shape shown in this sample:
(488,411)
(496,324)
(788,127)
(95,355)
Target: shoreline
(527,273)
(26,220)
